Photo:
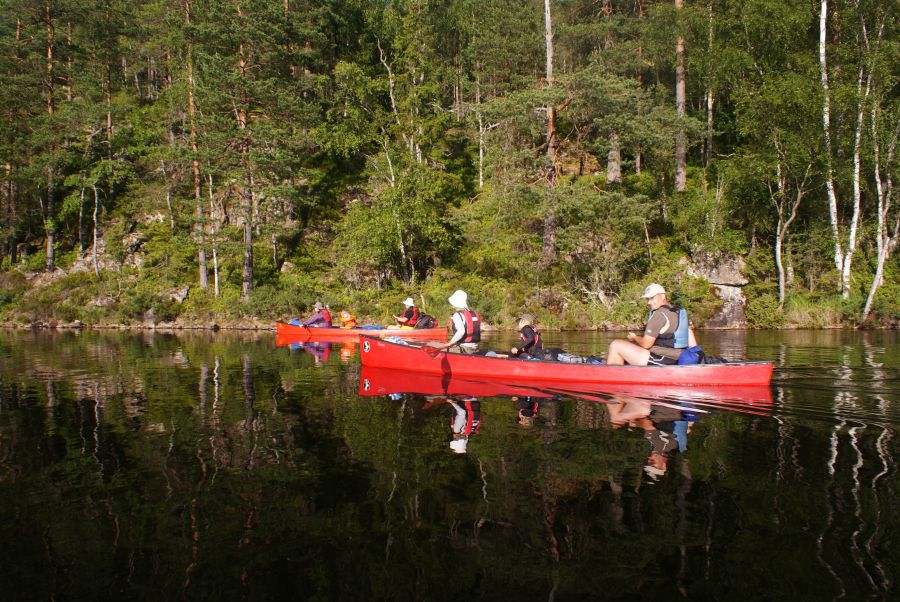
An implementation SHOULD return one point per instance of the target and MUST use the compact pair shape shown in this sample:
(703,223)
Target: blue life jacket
(679,338)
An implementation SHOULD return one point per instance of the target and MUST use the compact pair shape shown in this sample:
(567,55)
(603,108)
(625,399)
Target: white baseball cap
(652,290)
(409,302)
(459,299)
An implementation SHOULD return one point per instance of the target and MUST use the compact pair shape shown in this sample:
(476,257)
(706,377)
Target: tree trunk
(81,219)
(247,190)
(9,195)
(787,213)
(212,215)
(247,204)
(854,219)
(884,189)
(49,209)
(549,238)
(614,160)
(680,109)
(710,97)
(96,229)
(826,127)
(195,163)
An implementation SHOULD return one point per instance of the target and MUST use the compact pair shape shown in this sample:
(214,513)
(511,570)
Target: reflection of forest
(220,467)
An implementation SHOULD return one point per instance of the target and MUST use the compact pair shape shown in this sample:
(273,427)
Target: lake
(219,466)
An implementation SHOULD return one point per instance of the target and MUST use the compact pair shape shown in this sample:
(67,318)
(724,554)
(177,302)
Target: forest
(200,161)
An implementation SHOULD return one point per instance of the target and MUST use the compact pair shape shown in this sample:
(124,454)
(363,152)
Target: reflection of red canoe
(383,381)
(288,333)
(383,354)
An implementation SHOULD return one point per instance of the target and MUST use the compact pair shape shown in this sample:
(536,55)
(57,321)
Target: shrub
(812,311)
(763,312)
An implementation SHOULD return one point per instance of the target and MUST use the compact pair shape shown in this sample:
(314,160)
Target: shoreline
(257,325)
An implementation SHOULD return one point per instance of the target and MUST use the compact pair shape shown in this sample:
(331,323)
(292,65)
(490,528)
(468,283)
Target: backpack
(425,321)
(692,355)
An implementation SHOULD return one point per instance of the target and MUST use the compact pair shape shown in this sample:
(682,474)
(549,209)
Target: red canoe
(288,333)
(383,354)
(382,381)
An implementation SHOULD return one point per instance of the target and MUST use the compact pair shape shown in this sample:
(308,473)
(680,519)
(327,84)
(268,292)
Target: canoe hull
(383,381)
(384,354)
(288,333)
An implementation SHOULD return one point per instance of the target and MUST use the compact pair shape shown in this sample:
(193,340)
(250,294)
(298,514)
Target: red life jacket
(472,325)
(326,316)
(537,345)
(413,317)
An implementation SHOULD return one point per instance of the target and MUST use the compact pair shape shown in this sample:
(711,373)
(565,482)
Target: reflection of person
(665,429)
(320,319)
(666,334)
(528,409)
(319,350)
(660,433)
(410,315)
(465,422)
(347,352)
(531,343)
(465,325)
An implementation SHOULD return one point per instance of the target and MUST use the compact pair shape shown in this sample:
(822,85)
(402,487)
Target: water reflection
(664,419)
(198,466)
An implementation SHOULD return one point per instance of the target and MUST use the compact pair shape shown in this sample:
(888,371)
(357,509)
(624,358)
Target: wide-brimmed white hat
(409,302)
(459,299)
(459,445)
(318,305)
(652,290)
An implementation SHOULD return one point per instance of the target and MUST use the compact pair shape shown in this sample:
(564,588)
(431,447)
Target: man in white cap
(465,325)
(410,315)
(666,334)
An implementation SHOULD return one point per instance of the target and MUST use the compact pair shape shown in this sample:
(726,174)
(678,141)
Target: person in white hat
(666,334)
(410,315)
(465,325)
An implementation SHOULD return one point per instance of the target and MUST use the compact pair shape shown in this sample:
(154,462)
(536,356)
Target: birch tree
(552,142)
(680,108)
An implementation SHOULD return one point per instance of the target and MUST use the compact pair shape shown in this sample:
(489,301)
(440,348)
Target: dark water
(152,466)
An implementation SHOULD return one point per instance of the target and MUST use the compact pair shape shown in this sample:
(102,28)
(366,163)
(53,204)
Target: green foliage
(12,286)
(763,312)
(388,146)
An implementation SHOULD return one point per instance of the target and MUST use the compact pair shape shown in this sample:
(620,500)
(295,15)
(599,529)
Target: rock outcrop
(726,274)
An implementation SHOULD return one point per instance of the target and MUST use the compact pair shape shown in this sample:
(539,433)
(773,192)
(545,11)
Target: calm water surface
(154,466)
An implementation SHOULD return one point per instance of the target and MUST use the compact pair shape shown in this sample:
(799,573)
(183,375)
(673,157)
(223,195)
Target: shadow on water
(198,466)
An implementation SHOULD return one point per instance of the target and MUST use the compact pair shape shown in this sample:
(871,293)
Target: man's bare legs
(624,352)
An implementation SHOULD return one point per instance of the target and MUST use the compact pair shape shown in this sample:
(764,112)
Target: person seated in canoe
(465,325)
(320,319)
(666,335)
(407,320)
(531,343)
(347,319)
